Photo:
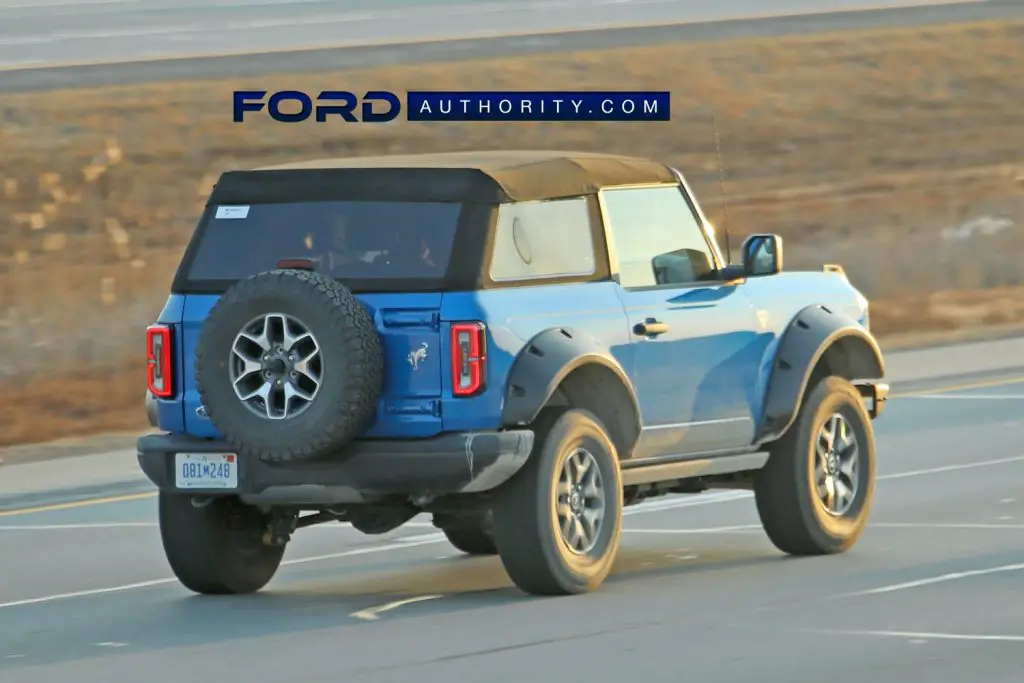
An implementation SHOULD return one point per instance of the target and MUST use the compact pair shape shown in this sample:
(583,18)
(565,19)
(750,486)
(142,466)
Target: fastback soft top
(490,177)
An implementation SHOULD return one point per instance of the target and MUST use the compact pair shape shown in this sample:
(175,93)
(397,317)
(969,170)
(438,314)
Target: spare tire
(289,366)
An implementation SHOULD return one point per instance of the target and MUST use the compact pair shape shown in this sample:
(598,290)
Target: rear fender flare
(547,360)
(814,332)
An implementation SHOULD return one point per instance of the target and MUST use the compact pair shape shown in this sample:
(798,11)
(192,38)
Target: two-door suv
(520,344)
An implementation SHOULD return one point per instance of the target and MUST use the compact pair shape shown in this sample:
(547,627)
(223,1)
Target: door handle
(650,328)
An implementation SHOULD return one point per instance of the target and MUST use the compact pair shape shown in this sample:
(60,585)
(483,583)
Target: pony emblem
(418,356)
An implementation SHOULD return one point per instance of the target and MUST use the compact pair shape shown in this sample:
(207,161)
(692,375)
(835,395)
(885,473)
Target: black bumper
(366,470)
(878,393)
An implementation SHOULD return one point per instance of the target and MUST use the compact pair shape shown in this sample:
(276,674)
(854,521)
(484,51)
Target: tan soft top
(521,175)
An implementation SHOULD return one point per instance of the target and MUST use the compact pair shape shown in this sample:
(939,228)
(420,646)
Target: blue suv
(520,344)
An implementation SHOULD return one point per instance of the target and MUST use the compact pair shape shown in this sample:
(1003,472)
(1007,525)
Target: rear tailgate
(409,328)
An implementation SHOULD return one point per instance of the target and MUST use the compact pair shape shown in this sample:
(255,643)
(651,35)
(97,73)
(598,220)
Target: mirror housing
(762,254)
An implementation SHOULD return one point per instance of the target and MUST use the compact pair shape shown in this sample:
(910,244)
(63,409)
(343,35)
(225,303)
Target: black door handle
(650,328)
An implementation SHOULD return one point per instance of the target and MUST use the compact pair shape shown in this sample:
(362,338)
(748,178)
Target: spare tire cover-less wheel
(289,366)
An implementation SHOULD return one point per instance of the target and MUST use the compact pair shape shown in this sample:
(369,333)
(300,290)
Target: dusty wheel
(216,549)
(815,493)
(558,521)
(289,366)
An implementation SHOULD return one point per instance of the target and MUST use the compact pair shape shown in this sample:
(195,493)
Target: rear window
(353,241)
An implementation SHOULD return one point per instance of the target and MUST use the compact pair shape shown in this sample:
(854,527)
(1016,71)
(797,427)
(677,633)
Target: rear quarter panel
(514,316)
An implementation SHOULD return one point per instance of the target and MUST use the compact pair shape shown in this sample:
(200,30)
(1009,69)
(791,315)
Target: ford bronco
(519,344)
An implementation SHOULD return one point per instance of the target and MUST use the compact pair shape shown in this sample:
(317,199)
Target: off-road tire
(216,549)
(472,538)
(525,521)
(353,372)
(787,502)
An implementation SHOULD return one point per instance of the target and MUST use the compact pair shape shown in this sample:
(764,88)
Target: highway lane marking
(88,502)
(748,528)
(915,635)
(933,580)
(951,525)
(952,468)
(969,397)
(373,613)
(708,529)
(412,543)
(966,386)
(76,527)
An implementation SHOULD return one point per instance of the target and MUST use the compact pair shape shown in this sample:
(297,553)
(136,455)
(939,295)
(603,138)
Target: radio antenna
(721,191)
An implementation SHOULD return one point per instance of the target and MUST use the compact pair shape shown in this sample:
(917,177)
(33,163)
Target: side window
(545,239)
(657,237)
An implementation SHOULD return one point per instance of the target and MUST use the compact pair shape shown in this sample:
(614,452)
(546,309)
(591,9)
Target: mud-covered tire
(216,549)
(351,355)
(472,538)
(792,513)
(526,522)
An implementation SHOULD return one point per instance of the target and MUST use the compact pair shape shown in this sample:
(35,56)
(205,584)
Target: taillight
(469,358)
(158,360)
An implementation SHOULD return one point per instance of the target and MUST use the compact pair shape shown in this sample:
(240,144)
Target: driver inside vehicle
(412,255)
(339,253)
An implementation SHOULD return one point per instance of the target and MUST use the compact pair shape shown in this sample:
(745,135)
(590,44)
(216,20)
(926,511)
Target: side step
(651,473)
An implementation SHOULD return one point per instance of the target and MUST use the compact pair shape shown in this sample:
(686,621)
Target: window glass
(360,240)
(543,239)
(657,237)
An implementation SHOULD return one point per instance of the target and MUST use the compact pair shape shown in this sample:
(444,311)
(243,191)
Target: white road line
(373,613)
(943,525)
(969,397)
(685,502)
(933,580)
(749,528)
(76,527)
(707,530)
(914,635)
(952,468)
(411,543)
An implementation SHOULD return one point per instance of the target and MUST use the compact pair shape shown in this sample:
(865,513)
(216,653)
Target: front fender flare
(544,362)
(810,335)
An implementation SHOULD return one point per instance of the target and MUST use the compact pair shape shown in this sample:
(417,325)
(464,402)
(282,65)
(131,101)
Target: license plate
(206,470)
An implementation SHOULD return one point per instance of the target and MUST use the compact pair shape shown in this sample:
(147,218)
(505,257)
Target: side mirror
(762,254)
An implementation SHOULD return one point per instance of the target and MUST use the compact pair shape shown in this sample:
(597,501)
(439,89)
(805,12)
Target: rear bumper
(447,464)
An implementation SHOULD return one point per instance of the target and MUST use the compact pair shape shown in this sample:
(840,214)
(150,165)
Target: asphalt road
(112,41)
(931,593)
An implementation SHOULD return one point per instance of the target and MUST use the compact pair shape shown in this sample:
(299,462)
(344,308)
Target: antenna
(721,191)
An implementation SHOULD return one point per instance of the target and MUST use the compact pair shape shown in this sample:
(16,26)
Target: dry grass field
(899,154)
